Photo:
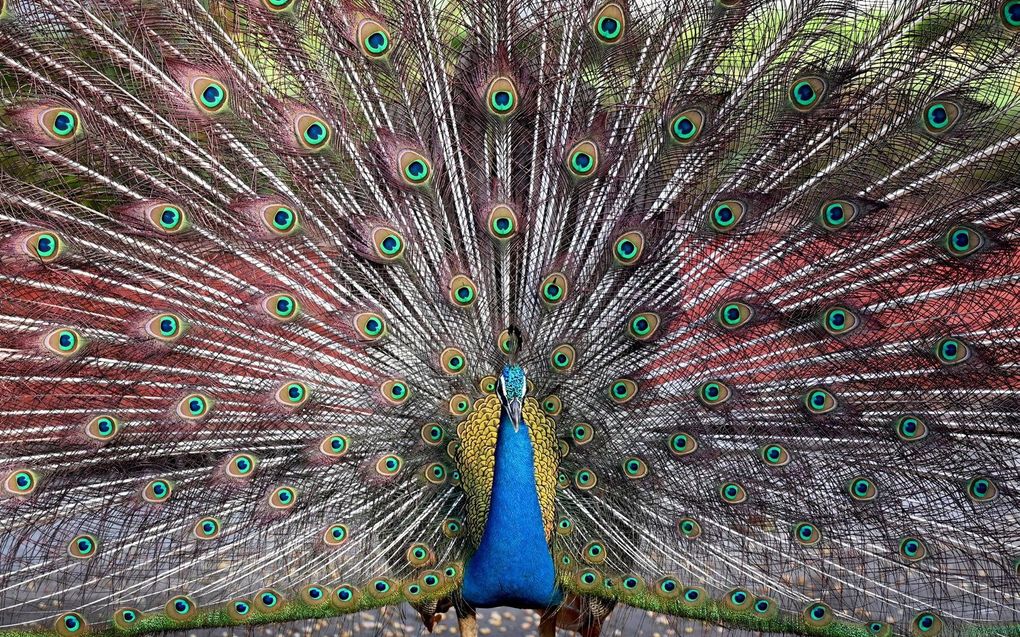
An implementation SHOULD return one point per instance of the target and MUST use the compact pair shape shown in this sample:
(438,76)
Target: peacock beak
(514,411)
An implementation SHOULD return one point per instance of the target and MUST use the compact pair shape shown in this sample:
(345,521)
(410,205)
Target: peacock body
(707,308)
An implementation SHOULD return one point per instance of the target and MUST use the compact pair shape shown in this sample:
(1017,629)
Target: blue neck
(513,565)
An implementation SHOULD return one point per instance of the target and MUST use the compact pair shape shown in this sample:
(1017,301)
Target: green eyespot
(982,489)
(806,534)
(452,361)
(292,394)
(502,222)
(940,117)
(281,307)
(912,549)
(126,618)
(862,489)
(463,292)
(21,482)
(432,434)
(622,390)
(564,526)
(335,445)
(818,615)
(911,428)
(389,465)
(65,342)
(207,528)
(806,93)
(582,433)
(165,327)
(686,126)
(610,24)
(594,552)
(335,534)
(70,624)
(268,601)
(370,326)
(583,159)
(961,241)
(725,215)
(668,587)
(209,95)
(180,608)
(643,325)
(44,247)
(168,218)
(562,358)
(682,444)
(453,527)
(157,491)
(765,608)
(713,393)
(951,351)
(738,599)
(585,479)
(554,289)
(501,97)
(734,314)
(415,168)
(373,38)
(459,404)
(395,391)
(1009,14)
(388,244)
(838,320)
(420,555)
(102,428)
(552,405)
(628,247)
(926,624)
(835,215)
(240,466)
(634,468)
(60,124)
(280,219)
(282,498)
(819,401)
(775,455)
(239,609)
(313,133)
(435,473)
(732,493)
(83,547)
(194,406)
(278,6)
(689,528)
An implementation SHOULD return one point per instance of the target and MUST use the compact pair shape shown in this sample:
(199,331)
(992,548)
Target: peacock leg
(547,624)
(467,623)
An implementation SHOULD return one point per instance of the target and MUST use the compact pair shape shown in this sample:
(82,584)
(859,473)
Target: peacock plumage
(707,308)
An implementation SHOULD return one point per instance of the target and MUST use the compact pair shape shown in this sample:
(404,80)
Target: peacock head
(510,388)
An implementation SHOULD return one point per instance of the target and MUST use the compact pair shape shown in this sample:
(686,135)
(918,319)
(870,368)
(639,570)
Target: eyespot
(453,361)
(738,599)
(389,465)
(940,116)
(912,549)
(432,434)
(562,358)
(610,23)
(279,219)
(501,97)
(335,534)
(157,491)
(686,126)
(628,248)
(452,527)
(278,6)
(818,615)
(835,215)
(961,241)
(414,167)
(952,351)
(818,401)
(435,473)
(395,391)
(283,498)
(622,390)
(209,95)
(268,601)
(694,597)
(564,527)
(554,289)
(451,573)
(911,428)
(102,428)
(370,326)
(926,623)
(459,404)
(634,468)
(732,493)
(83,547)
(838,320)
(632,583)
(21,482)
(292,394)
(64,342)
(462,291)
(166,327)
(335,445)
(552,405)
(208,528)
(69,624)
(44,246)
(682,444)
(60,124)
(239,609)
(713,393)
(373,38)
(806,534)
(314,595)
(168,218)
(725,215)
(282,307)
(879,629)
(380,587)
(583,159)
(1010,15)
(419,555)
(388,244)
(806,93)
(594,552)
(775,455)
(668,587)
(689,528)
(862,489)
(643,325)
(562,480)
(506,344)
(125,618)
(430,579)
(585,479)
(588,579)
(181,608)
(982,489)
(240,465)
(346,597)
(734,314)
(487,385)
(194,406)
(582,433)
(502,222)
(312,132)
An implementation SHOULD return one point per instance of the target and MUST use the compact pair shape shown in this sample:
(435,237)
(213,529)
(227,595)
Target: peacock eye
(346,597)
(628,247)
(64,342)
(435,473)
(69,624)
(682,444)
(838,320)
(370,326)
(432,434)
(335,534)
(83,547)
(157,491)
(394,391)
(819,401)
(862,489)
(912,549)
(562,358)
(312,132)
(240,465)
(879,629)
(373,38)
(414,167)
(554,289)
(419,555)
(389,465)
(44,246)
(643,325)
(487,384)
(951,351)
(694,597)
(239,609)
(125,617)
(194,406)
(911,428)
(453,361)
(940,116)
(452,527)
(165,327)
(280,219)
(501,96)
(313,595)
(462,291)
(610,23)
(732,493)
(564,526)
(818,615)
(806,93)
(60,124)
(279,6)
(585,479)
(733,315)
(686,126)
(459,404)
(583,159)
(689,528)
(961,241)
(282,497)
(927,623)
(622,390)
(594,552)
(835,215)
(725,215)
(102,428)
(20,482)
(806,534)
(982,489)
(502,222)
(713,393)
(738,599)
(267,600)
(282,307)
(292,394)
(207,528)
(1010,15)
(552,405)
(582,433)
(774,455)
(668,587)
(334,445)
(380,587)
(634,468)
(210,95)
(168,218)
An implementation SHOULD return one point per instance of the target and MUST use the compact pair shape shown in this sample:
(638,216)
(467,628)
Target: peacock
(707,308)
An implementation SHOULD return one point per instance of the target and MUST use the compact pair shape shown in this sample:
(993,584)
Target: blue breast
(513,565)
